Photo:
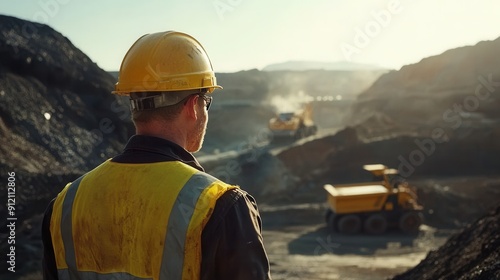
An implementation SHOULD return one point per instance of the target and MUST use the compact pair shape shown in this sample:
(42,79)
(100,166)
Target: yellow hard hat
(165,61)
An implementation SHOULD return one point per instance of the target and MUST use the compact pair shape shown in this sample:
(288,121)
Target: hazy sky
(245,34)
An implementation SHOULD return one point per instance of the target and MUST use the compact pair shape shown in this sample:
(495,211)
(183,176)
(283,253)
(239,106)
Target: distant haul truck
(293,125)
(373,207)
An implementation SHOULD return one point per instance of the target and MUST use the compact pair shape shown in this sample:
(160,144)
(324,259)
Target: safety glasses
(208,99)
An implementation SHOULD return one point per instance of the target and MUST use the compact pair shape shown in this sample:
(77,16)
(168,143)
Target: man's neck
(170,132)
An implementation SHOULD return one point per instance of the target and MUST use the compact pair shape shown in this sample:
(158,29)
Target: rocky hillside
(57,115)
(471,254)
(56,108)
(456,91)
(57,119)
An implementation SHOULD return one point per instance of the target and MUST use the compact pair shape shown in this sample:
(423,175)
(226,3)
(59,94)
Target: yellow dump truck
(293,125)
(373,207)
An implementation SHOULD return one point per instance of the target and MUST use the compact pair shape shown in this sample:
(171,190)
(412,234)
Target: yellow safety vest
(133,221)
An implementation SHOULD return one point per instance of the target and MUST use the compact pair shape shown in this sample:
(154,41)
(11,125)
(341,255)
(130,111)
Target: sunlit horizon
(244,35)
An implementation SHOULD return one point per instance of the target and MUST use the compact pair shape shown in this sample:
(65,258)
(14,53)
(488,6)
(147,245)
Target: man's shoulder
(234,195)
(233,200)
(233,207)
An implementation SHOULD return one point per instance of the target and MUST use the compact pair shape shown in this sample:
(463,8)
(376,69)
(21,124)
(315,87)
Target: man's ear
(191,107)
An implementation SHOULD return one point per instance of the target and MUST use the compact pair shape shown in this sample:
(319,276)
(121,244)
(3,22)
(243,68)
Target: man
(151,212)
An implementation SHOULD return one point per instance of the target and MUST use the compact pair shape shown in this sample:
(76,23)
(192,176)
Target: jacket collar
(147,149)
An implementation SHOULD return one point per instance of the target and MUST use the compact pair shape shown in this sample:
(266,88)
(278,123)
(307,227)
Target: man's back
(143,214)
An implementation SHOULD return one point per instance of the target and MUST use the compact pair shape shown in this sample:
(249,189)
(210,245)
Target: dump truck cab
(373,207)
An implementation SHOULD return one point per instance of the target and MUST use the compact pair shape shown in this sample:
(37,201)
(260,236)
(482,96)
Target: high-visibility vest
(133,221)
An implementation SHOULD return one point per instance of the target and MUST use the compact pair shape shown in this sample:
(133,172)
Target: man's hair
(165,113)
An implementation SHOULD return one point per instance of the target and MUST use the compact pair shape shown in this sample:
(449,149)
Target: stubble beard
(198,135)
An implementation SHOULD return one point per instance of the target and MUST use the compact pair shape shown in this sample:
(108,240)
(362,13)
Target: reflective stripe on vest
(85,255)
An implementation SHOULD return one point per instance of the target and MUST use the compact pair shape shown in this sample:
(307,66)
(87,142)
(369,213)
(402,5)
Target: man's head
(169,78)
(186,112)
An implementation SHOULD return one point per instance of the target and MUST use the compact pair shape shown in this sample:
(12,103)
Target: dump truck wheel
(331,222)
(375,224)
(300,133)
(410,222)
(328,214)
(350,224)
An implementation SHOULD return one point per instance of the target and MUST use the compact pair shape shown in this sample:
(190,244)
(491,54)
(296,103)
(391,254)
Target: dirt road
(301,247)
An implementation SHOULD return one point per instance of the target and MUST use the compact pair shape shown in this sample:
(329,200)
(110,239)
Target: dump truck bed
(356,190)
(365,197)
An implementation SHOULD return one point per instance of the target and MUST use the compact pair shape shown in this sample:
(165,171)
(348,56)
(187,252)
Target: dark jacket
(232,245)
